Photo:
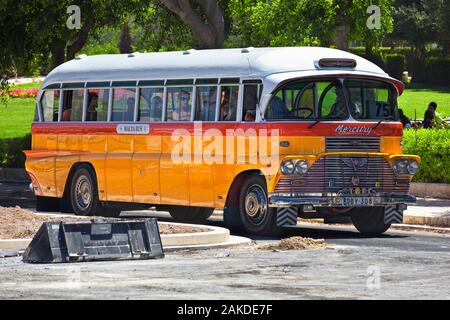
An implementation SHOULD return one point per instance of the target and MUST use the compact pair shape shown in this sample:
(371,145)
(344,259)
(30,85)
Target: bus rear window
(50,105)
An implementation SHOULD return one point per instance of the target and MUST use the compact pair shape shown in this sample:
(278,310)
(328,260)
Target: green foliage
(4,91)
(433,146)
(11,151)
(433,71)
(395,65)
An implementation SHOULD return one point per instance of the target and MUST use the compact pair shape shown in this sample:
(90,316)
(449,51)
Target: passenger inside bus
(92,107)
(129,116)
(250,102)
(183,113)
(338,109)
(228,108)
(156,108)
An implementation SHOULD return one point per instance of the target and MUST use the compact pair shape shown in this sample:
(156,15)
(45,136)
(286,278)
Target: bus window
(123,105)
(50,105)
(205,109)
(307,101)
(97,108)
(179,104)
(250,102)
(228,103)
(331,101)
(72,105)
(150,104)
(371,99)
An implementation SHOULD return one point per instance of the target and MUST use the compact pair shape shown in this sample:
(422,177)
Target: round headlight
(400,166)
(413,167)
(288,167)
(301,167)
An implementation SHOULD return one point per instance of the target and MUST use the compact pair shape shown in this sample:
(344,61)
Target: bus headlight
(406,166)
(287,167)
(301,167)
(413,167)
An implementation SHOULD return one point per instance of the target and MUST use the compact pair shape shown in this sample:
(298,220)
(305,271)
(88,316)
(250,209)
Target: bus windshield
(371,100)
(327,100)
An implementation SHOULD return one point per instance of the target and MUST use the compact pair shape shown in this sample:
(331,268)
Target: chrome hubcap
(83,192)
(256,203)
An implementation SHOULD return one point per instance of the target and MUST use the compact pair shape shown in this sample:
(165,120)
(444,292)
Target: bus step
(102,239)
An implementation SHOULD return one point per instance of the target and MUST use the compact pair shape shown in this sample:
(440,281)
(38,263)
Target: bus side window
(250,102)
(205,109)
(150,104)
(123,104)
(50,105)
(97,105)
(228,103)
(72,105)
(179,103)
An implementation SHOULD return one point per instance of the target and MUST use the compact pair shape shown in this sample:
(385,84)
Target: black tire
(369,221)
(190,214)
(232,219)
(47,204)
(84,192)
(108,212)
(256,215)
(204,214)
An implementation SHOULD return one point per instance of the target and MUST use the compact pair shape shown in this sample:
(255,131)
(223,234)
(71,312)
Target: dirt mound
(294,243)
(18,223)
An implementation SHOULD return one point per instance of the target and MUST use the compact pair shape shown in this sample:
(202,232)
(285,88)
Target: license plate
(358,201)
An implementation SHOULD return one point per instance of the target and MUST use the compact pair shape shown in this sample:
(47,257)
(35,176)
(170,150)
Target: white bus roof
(243,63)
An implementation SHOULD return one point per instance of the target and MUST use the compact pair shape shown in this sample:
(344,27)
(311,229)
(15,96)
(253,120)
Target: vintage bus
(266,134)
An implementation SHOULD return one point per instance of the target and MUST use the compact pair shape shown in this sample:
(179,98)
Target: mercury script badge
(133,129)
(343,129)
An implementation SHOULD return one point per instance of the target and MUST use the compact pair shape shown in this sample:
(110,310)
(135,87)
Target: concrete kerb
(216,237)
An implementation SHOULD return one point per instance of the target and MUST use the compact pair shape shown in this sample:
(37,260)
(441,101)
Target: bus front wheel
(83,192)
(256,215)
(369,221)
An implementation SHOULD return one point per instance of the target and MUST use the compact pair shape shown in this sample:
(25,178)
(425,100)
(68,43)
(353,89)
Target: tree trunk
(57,49)
(81,40)
(210,34)
(125,40)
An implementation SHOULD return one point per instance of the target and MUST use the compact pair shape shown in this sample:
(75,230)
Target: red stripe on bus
(285,129)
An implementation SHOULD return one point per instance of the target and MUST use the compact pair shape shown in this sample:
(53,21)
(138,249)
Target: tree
(125,40)
(41,27)
(417,22)
(281,22)
(209,31)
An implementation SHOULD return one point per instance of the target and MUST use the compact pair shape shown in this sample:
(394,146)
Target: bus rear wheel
(190,214)
(83,192)
(369,221)
(256,215)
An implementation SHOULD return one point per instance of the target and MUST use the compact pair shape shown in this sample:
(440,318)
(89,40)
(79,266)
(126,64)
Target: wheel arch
(72,171)
(233,193)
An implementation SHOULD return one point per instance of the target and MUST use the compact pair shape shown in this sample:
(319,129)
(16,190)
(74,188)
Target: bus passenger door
(118,168)
(145,169)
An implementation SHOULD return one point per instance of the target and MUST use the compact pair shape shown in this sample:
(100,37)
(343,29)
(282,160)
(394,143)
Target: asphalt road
(397,265)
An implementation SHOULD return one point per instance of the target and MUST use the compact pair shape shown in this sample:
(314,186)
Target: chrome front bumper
(337,201)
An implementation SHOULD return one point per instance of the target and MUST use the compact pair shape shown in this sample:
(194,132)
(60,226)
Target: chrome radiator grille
(353,144)
(336,174)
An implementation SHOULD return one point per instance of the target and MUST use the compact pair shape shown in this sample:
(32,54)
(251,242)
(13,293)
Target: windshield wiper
(314,124)
(384,119)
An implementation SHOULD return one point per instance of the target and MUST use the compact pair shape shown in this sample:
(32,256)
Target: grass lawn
(417,97)
(16,119)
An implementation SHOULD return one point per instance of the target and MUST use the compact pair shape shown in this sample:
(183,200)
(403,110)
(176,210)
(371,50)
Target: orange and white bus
(266,134)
